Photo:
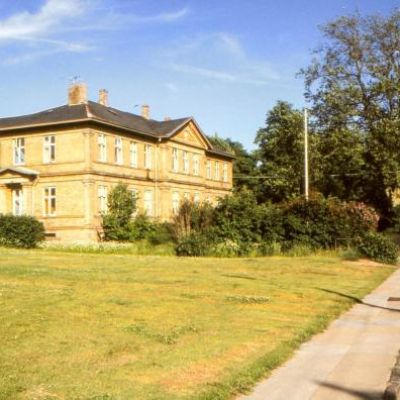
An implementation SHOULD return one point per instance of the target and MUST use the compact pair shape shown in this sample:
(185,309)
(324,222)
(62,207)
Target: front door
(17,201)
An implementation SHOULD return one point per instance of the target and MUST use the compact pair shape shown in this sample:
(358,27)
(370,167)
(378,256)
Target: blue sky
(226,62)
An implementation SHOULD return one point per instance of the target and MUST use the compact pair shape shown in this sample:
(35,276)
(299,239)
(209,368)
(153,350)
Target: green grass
(108,326)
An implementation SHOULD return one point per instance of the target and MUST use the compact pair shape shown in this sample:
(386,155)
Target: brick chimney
(77,94)
(103,97)
(146,111)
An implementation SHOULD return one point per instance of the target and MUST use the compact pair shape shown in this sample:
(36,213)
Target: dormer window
(19,151)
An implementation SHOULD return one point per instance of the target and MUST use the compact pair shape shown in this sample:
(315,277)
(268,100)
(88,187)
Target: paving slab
(351,360)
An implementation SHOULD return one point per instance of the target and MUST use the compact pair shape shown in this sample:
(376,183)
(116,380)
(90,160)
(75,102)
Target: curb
(392,391)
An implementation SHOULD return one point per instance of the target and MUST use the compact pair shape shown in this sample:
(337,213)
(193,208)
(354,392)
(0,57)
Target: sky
(225,62)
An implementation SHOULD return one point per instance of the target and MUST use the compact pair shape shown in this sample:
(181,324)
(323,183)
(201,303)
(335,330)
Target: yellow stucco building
(60,164)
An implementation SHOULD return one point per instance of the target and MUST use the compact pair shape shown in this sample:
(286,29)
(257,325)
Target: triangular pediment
(17,172)
(192,135)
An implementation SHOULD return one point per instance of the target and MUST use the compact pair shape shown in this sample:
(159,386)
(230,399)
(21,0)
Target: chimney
(167,118)
(103,97)
(146,111)
(77,94)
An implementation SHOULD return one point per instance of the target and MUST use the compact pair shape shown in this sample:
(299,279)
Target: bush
(160,234)
(194,245)
(20,231)
(379,248)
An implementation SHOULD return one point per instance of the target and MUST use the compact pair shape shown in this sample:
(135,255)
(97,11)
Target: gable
(190,134)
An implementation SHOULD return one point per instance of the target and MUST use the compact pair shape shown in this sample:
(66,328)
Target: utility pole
(305,154)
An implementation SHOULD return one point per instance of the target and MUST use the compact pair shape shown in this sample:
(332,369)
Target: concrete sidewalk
(352,359)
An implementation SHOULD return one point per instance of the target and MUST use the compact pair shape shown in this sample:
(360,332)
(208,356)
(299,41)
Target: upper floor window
(196,165)
(225,172)
(148,159)
(148,202)
(49,201)
(133,150)
(208,168)
(175,202)
(216,170)
(102,196)
(102,144)
(19,151)
(175,160)
(49,149)
(118,151)
(185,162)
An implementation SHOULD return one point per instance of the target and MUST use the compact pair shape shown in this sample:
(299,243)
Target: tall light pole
(306,154)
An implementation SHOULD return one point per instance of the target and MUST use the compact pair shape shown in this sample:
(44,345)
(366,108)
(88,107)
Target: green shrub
(194,245)
(160,234)
(20,231)
(141,227)
(379,248)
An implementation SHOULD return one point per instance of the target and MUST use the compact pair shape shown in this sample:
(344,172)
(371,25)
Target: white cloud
(163,17)
(220,56)
(30,25)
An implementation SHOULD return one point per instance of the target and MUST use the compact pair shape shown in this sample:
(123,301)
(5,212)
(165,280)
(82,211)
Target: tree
(281,153)
(121,205)
(353,84)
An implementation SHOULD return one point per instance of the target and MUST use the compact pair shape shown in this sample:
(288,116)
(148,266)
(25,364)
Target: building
(59,164)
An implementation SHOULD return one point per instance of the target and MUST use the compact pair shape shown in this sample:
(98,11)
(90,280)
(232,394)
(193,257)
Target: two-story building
(60,164)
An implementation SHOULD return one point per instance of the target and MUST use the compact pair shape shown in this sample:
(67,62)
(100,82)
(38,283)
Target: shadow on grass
(357,300)
(358,394)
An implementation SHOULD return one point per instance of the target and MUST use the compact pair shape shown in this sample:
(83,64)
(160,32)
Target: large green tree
(281,153)
(353,84)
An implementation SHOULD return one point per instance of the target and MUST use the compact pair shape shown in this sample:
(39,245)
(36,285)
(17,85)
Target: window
(118,151)
(148,202)
(175,160)
(175,202)
(102,196)
(18,201)
(49,149)
(186,196)
(49,201)
(208,169)
(133,150)
(185,162)
(147,156)
(225,172)
(196,198)
(196,165)
(216,170)
(102,144)
(19,151)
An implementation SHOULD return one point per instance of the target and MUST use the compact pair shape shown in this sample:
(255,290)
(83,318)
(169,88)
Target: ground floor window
(49,201)
(175,202)
(148,202)
(18,201)
(102,197)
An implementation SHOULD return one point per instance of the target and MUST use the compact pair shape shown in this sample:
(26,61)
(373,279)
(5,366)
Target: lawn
(87,326)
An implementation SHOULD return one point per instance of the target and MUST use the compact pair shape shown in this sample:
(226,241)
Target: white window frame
(49,149)
(102,146)
(208,168)
(19,151)
(134,154)
(175,160)
(148,203)
(196,165)
(49,195)
(175,202)
(118,153)
(102,197)
(185,156)
(148,153)
(18,201)
(225,172)
(216,171)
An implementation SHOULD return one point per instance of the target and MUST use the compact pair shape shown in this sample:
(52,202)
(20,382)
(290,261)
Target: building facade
(60,164)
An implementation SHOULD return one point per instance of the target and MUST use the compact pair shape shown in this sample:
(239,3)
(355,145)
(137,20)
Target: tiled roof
(92,111)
